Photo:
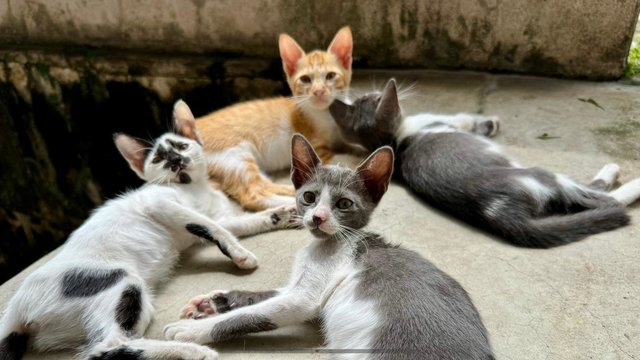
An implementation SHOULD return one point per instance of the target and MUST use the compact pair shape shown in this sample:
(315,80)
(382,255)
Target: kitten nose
(318,93)
(318,220)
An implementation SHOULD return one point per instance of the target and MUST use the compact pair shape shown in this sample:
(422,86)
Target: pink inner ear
(342,46)
(290,52)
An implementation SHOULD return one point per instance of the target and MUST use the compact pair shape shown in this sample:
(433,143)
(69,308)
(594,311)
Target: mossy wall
(58,113)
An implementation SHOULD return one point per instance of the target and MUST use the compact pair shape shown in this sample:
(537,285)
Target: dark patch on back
(239,325)
(13,346)
(129,308)
(121,353)
(202,232)
(83,282)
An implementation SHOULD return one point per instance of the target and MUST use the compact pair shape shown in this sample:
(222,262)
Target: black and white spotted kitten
(448,161)
(375,300)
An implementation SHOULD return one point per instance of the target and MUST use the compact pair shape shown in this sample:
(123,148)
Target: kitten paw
(205,305)
(246,261)
(285,217)
(196,331)
(488,126)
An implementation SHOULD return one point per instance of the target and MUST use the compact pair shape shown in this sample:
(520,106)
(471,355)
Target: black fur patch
(121,353)
(83,282)
(203,232)
(275,218)
(129,308)
(200,231)
(13,346)
(241,325)
(184,178)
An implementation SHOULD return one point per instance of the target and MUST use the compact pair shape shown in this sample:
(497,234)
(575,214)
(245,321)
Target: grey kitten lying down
(375,300)
(448,161)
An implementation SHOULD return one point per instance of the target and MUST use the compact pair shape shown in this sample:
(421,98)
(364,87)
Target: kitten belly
(276,154)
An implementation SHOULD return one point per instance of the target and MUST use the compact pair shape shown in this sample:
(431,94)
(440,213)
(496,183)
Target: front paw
(285,217)
(206,305)
(246,261)
(195,331)
(488,126)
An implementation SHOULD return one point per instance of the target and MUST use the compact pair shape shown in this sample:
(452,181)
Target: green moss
(633,63)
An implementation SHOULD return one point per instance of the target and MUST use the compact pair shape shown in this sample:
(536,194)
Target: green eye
(330,75)
(305,79)
(344,204)
(309,197)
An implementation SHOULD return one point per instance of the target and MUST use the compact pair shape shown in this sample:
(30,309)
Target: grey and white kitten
(375,300)
(448,161)
(96,293)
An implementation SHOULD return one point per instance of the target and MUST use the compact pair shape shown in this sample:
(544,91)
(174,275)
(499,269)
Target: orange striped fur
(246,140)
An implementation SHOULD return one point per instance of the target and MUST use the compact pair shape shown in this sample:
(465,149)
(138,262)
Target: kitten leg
(146,349)
(605,178)
(282,217)
(222,301)
(187,222)
(281,310)
(473,123)
(283,189)
(627,193)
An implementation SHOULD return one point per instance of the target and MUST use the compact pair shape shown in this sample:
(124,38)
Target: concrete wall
(575,38)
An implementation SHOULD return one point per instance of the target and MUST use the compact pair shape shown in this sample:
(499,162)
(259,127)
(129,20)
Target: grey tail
(560,229)
(13,346)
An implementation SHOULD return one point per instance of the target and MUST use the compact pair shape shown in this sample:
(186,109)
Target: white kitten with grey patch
(96,294)
(375,300)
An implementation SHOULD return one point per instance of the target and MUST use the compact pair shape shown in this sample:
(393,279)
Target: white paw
(246,261)
(201,306)
(609,173)
(285,217)
(195,331)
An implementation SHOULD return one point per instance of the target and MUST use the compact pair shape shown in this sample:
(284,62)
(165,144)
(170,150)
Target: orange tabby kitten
(245,139)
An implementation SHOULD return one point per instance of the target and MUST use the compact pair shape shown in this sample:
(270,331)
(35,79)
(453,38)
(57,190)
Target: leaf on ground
(546,136)
(591,101)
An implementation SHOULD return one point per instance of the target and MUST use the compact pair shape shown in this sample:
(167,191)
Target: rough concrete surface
(580,38)
(579,301)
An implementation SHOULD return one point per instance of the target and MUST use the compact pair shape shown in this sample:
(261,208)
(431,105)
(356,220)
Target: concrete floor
(579,301)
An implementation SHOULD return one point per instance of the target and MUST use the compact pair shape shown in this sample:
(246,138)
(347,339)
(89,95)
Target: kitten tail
(558,230)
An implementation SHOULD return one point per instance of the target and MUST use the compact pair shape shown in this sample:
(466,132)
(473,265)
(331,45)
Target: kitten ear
(376,172)
(290,52)
(339,111)
(342,47)
(389,103)
(133,150)
(185,122)
(304,160)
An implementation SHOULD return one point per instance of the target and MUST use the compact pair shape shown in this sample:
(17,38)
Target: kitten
(244,140)
(375,300)
(448,161)
(97,292)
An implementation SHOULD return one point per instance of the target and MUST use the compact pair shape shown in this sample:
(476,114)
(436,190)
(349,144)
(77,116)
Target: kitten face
(317,78)
(372,120)
(173,158)
(333,199)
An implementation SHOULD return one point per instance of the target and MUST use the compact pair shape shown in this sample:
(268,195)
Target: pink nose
(318,93)
(320,216)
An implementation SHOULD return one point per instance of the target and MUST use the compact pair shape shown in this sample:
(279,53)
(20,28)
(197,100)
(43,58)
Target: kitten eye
(156,159)
(183,146)
(305,79)
(309,197)
(344,204)
(330,75)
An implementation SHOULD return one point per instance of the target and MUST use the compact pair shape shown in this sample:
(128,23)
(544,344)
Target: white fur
(540,192)
(416,123)
(141,232)
(609,174)
(627,193)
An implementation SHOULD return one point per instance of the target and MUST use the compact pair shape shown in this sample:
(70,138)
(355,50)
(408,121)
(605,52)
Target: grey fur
(460,173)
(83,282)
(237,298)
(241,325)
(426,313)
